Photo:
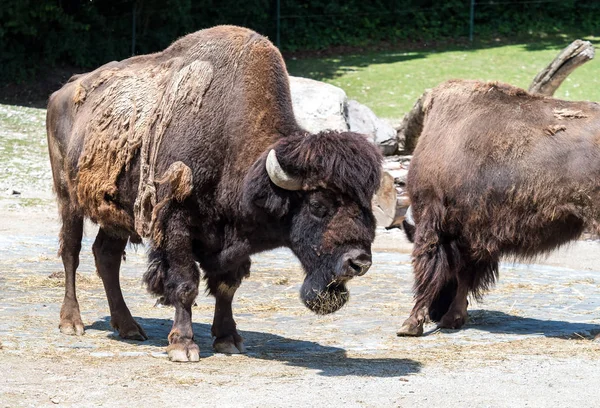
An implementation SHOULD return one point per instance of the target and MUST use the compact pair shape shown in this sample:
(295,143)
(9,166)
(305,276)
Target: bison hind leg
(71,234)
(441,303)
(473,277)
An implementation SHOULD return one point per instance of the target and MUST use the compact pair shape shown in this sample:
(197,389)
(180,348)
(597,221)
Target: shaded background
(40,35)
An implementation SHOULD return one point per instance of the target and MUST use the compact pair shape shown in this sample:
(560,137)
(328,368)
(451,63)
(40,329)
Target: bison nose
(357,262)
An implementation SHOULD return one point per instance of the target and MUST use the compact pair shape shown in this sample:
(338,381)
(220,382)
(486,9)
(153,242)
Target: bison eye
(317,209)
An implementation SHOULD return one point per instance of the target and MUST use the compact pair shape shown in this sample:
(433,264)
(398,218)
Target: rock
(361,119)
(384,201)
(397,168)
(9,192)
(399,176)
(318,106)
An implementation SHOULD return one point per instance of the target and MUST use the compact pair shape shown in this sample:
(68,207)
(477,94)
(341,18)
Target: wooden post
(550,78)
(471,20)
(133,30)
(278,24)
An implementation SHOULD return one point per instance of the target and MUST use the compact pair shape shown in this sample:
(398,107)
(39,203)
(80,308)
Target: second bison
(496,172)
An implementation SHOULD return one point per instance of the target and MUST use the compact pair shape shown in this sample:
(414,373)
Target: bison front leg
(180,287)
(108,252)
(413,326)
(70,246)
(224,330)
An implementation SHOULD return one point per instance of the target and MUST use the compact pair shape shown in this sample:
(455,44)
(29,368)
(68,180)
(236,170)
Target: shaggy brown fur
(496,172)
(127,110)
(173,146)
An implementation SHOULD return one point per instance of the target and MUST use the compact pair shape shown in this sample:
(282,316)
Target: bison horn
(278,176)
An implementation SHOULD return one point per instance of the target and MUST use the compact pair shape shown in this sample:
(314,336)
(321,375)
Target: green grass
(24,164)
(389,82)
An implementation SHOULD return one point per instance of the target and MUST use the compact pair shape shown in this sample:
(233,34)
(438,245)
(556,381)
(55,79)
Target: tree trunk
(550,78)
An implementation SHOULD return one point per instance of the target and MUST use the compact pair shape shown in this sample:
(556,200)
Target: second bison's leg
(70,246)
(456,315)
(413,326)
(474,277)
(434,281)
(108,252)
(223,287)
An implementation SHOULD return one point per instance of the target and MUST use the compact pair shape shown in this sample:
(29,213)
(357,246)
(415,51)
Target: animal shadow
(494,321)
(329,361)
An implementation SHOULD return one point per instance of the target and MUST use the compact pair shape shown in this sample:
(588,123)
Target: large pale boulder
(361,119)
(318,106)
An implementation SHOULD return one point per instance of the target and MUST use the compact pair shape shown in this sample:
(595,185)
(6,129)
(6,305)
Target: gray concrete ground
(528,344)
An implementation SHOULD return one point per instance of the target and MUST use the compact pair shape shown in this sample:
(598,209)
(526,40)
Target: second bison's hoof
(410,330)
(184,351)
(452,322)
(232,344)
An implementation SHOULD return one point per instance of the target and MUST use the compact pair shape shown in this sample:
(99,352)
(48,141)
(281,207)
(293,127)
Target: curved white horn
(278,176)
(409,217)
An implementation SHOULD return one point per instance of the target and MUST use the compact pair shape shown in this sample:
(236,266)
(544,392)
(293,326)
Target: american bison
(496,172)
(197,149)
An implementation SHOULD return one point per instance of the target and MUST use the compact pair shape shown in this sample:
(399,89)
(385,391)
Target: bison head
(319,188)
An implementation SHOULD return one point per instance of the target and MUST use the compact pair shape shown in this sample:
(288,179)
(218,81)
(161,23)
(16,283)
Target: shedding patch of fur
(130,109)
(566,113)
(551,130)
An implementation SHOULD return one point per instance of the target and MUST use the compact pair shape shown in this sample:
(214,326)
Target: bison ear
(261,193)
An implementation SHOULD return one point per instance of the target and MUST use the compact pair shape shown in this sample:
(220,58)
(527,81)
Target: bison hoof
(72,328)
(184,351)
(232,344)
(410,330)
(130,330)
(452,322)
(597,338)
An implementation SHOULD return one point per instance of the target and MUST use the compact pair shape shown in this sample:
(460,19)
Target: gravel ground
(528,344)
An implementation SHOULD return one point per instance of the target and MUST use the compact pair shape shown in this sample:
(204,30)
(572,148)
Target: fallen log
(549,79)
